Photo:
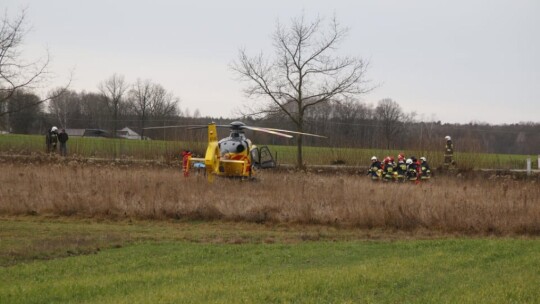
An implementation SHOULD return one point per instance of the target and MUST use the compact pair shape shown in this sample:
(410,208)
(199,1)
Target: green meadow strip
(438,271)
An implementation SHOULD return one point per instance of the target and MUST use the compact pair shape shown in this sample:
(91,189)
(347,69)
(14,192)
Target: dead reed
(445,204)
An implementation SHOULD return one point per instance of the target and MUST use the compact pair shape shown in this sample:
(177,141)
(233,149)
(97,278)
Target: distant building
(127,133)
(75,132)
(87,133)
(95,133)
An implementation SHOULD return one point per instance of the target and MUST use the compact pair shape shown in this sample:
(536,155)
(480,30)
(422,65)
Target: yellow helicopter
(233,156)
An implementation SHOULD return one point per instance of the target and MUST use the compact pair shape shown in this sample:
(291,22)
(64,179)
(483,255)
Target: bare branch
(15,73)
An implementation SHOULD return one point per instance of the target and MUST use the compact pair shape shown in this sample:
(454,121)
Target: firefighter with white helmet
(375,169)
(448,152)
(411,169)
(425,170)
(51,139)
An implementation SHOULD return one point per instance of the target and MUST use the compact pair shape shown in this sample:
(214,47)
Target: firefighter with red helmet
(401,168)
(388,170)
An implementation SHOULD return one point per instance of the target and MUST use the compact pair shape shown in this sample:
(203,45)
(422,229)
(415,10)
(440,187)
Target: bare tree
(306,71)
(94,109)
(151,100)
(139,98)
(390,117)
(113,90)
(65,106)
(16,73)
(163,103)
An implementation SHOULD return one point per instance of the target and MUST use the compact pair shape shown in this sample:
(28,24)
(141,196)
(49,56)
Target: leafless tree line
(142,101)
(355,124)
(115,102)
(346,124)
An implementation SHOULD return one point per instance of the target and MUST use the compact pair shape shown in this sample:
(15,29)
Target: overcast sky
(454,61)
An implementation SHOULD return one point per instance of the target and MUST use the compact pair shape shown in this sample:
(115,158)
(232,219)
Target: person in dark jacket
(412,173)
(448,152)
(388,170)
(424,169)
(401,168)
(63,138)
(375,169)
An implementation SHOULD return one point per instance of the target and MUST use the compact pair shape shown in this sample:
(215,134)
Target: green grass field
(166,150)
(189,262)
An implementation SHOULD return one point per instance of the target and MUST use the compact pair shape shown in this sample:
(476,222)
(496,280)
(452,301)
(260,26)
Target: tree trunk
(115,120)
(299,159)
(299,138)
(143,118)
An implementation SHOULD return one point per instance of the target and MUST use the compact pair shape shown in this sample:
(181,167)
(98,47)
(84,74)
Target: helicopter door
(266,160)
(255,158)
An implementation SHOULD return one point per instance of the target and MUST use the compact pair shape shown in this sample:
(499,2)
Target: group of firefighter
(405,169)
(408,169)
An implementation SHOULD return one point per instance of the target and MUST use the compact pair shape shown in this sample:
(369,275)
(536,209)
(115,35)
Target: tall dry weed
(445,204)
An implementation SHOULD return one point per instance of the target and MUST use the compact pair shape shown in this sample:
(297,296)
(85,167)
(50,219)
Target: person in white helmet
(51,139)
(375,169)
(448,152)
(425,170)
(412,173)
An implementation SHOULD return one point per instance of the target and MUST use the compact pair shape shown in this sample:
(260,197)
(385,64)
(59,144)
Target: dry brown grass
(446,204)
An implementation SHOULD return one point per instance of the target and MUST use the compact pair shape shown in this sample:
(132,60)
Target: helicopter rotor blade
(204,127)
(279,132)
(164,127)
(188,127)
(294,132)
(266,131)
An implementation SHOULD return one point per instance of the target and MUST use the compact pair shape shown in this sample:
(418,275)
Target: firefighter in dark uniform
(448,152)
(51,139)
(401,168)
(388,171)
(375,169)
(412,174)
(425,170)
